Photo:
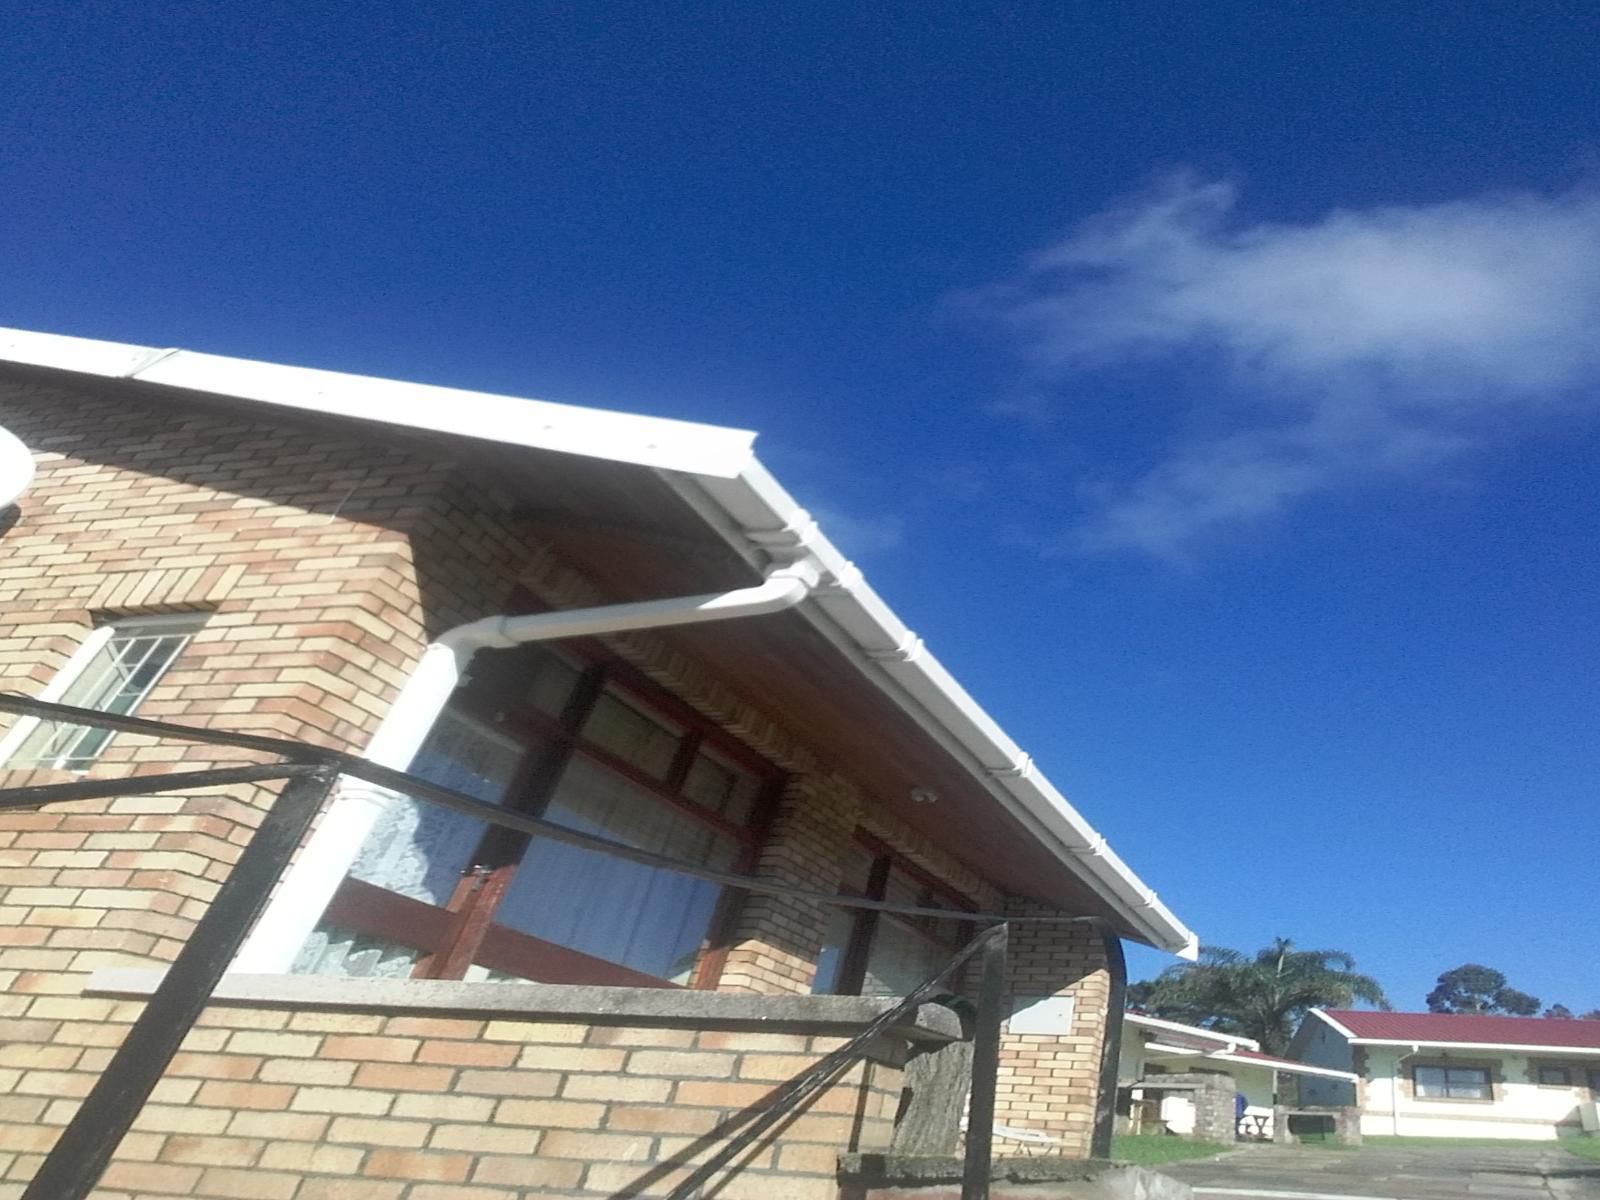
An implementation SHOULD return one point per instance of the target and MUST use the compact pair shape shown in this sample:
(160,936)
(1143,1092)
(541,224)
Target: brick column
(1049,1080)
(777,941)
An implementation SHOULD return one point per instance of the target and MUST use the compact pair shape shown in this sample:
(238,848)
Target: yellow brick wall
(274,1105)
(1049,1082)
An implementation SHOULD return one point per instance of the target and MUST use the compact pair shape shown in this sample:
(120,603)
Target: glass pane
(1554,1076)
(900,960)
(855,870)
(633,736)
(835,944)
(651,920)
(550,682)
(723,788)
(419,849)
(1430,1081)
(334,951)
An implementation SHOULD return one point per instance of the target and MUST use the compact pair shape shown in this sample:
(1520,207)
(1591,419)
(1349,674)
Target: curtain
(641,917)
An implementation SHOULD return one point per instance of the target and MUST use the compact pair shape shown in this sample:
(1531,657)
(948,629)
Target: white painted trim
(1286,1065)
(57,687)
(1228,1039)
(1337,1028)
(1481,1047)
(540,424)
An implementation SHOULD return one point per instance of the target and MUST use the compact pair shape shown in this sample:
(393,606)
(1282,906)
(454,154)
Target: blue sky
(1214,386)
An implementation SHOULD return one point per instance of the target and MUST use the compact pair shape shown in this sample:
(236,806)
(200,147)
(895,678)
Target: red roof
(1467,1028)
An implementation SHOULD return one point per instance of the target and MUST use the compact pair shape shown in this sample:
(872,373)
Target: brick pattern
(1050,1082)
(297,1106)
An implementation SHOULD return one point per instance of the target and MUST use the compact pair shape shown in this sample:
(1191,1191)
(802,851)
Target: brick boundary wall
(349,1103)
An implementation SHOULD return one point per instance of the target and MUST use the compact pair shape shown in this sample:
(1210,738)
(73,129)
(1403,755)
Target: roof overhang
(679,487)
(1437,1044)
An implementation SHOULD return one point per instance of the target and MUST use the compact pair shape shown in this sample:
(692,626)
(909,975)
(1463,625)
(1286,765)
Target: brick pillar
(777,941)
(1049,1079)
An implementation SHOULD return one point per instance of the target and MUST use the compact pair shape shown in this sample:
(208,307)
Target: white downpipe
(308,886)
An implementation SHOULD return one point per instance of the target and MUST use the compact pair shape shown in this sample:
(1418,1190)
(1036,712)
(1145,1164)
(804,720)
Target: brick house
(357,563)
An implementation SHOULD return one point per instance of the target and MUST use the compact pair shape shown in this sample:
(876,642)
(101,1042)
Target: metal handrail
(80,1156)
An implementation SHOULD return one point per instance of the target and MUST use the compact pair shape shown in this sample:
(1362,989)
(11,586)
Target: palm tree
(1264,997)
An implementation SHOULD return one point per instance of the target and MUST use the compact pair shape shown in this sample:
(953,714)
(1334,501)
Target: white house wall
(1520,1110)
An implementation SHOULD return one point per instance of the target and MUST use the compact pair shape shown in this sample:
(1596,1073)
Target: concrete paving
(1514,1172)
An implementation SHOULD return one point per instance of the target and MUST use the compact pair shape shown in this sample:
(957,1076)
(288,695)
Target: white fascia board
(537,424)
(1288,1066)
(1227,1039)
(1337,1028)
(1481,1047)
(760,519)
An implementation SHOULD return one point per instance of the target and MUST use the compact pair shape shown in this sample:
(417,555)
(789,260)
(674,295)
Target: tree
(1558,1012)
(1474,988)
(1262,997)
(1592,1015)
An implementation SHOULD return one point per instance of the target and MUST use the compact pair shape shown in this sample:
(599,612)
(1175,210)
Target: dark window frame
(1448,1084)
(462,932)
(1540,1070)
(851,974)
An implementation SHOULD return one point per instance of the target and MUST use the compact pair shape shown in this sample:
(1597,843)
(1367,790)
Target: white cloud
(860,535)
(1364,344)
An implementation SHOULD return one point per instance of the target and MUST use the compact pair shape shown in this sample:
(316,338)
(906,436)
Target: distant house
(1446,1075)
(1152,1047)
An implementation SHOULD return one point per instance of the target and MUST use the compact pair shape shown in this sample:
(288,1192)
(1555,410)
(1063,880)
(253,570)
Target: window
(581,743)
(884,954)
(1555,1077)
(1594,1084)
(1453,1083)
(113,673)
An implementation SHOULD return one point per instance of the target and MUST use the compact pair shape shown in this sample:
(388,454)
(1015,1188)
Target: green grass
(1149,1150)
(1584,1147)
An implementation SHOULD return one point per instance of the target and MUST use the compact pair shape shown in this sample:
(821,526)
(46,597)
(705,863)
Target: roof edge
(660,442)
(758,517)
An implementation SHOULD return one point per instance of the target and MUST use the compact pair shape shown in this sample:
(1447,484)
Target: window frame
(462,932)
(850,976)
(1540,1069)
(1448,1068)
(99,638)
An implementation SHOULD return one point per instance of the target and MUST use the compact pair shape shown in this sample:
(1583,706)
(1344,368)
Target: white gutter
(1228,1039)
(756,515)
(309,884)
(1287,1065)
(1506,1047)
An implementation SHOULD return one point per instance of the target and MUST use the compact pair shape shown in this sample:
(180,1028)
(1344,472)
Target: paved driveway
(1393,1173)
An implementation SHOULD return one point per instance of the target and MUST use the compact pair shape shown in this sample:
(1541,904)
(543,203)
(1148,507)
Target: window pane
(835,944)
(651,920)
(722,787)
(419,849)
(633,736)
(1555,1076)
(115,681)
(1430,1081)
(900,959)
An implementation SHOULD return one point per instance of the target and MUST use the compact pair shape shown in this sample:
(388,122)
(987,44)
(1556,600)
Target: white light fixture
(16,468)
(922,795)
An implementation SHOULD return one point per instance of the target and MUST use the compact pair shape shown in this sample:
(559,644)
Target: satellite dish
(16,468)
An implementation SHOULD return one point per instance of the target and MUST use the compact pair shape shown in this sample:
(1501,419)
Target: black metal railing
(81,1154)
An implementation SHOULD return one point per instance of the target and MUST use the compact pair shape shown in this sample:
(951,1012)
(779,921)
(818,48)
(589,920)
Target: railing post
(985,1067)
(85,1147)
